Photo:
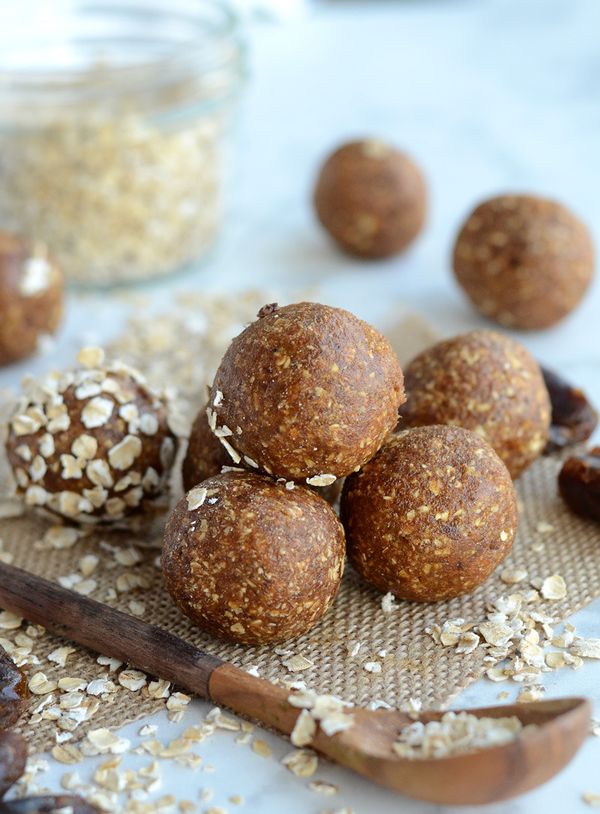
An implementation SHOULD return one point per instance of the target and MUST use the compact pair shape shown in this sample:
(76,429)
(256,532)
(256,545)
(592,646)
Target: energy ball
(431,516)
(90,445)
(486,382)
(205,455)
(306,392)
(252,561)
(371,198)
(523,261)
(31,298)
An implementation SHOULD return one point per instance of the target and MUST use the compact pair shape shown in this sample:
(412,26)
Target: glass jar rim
(209,41)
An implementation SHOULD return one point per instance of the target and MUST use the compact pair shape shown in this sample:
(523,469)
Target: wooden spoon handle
(106,630)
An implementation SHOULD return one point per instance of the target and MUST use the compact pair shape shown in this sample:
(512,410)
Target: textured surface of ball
(31,298)
(523,261)
(306,392)
(92,444)
(486,382)
(251,561)
(431,516)
(371,198)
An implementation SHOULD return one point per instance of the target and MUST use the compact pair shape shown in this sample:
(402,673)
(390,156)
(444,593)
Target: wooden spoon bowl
(486,776)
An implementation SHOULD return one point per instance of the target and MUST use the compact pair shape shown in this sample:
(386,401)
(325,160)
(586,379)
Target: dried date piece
(13,691)
(573,417)
(13,759)
(579,484)
(60,804)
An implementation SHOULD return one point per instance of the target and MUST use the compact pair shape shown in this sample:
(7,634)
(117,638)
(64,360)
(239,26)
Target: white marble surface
(493,96)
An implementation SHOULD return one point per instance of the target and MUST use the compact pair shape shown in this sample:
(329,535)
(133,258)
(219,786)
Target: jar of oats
(114,123)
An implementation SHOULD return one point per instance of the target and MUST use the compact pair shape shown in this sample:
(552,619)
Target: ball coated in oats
(488,383)
(31,298)
(523,261)
(91,444)
(248,560)
(371,198)
(431,516)
(306,391)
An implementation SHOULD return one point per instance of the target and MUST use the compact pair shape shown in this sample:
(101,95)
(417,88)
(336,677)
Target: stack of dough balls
(306,396)
(91,445)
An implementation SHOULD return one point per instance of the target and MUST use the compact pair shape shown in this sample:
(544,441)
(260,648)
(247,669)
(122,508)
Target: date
(579,484)
(13,691)
(573,417)
(60,804)
(13,759)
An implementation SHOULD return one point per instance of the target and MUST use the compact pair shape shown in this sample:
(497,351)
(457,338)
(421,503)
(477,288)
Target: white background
(493,96)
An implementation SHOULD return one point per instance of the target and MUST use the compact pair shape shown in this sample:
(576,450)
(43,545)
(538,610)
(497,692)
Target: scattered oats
(321,480)
(467,643)
(296,664)
(321,787)
(88,564)
(128,556)
(372,667)
(253,671)
(591,799)
(66,753)
(84,447)
(137,608)
(103,740)
(39,684)
(9,621)
(554,587)
(497,634)
(497,674)
(196,497)
(101,686)
(178,701)
(304,729)
(290,485)
(534,693)
(544,528)
(261,748)
(236,799)
(112,664)
(159,688)
(71,683)
(123,454)
(218,399)
(586,648)
(147,730)
(132,680)
(513,575)
(301,762)
(85,587)
(60,655)
(387,602)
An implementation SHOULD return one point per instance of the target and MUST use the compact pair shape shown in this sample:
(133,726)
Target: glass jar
(114,120)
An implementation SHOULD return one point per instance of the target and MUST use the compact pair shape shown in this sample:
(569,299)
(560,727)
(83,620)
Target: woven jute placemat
(355,632)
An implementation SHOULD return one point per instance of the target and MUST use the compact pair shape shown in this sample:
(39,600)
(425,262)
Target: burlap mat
(412,664)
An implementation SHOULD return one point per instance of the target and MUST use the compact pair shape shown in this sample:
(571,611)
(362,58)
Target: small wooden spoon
(366,747)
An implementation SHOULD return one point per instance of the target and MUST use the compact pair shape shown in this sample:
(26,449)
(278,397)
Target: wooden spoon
(366,747)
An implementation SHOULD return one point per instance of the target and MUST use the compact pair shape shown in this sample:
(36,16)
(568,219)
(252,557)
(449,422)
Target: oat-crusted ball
(92,444)
(488,383)
(371,198)
(431,516)
(31,298)
(250,560)
(524,261)
(306,392)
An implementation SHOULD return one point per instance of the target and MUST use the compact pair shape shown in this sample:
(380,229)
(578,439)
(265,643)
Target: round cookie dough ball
(250,561)
(371,198)
(306,392)
(523,261)
(205,455)
(431,516)
(91,444)
(486,382)
(31,298)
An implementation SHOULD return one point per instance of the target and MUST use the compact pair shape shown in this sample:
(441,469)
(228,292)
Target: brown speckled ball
(251,561)
(371,198)
(486,382)
(31,298)
(306,392)
(205,455)
(92,444)
(431,516)
(523,261)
